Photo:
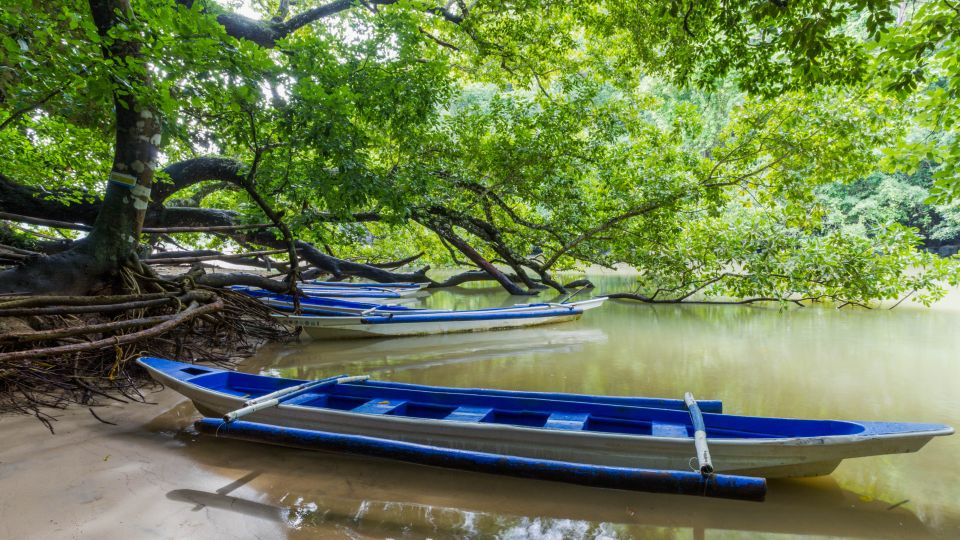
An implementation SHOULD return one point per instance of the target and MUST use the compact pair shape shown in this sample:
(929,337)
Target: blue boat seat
(659,429)
(378,406)
(468,414)
(567,421)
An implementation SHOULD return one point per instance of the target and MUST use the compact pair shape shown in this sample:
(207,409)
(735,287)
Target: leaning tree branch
(650,300)
(341,268)
(389,265)
(236,278)
(213,257)
(267,33)
(447,234)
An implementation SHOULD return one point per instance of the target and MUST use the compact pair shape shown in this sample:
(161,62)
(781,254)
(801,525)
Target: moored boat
(593,430)
(319,305)
(427,322)
(322,290)
(367,285)
(380,297)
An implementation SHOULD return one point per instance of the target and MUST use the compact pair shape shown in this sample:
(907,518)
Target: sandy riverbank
(93,480)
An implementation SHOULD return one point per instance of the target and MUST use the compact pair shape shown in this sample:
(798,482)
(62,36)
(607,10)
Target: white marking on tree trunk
(141,195)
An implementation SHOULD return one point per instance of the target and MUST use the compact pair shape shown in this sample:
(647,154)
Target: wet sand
(93,480)
(151,476)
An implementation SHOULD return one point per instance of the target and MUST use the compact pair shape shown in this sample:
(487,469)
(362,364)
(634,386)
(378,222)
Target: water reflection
(313,491)
(897,365)
(382,357)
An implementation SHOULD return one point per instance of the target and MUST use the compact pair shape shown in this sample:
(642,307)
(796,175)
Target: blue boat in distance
(370,285)
(601,431)
(372,296)
(376,323)
(319,305)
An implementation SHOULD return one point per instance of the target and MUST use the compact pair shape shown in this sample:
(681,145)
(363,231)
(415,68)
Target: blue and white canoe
(368,285)
(318,305)
(599,431)
(312,288)
(355,295)
(335,306)
(428,322)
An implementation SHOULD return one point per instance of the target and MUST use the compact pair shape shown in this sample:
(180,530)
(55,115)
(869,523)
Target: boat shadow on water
(319,491)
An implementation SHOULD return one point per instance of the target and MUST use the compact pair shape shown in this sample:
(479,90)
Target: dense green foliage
(722,150)
(917,61)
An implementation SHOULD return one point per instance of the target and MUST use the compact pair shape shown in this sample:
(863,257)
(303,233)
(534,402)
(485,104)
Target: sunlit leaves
(919,62)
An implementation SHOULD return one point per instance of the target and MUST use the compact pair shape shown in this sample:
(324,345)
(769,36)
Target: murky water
(901,365)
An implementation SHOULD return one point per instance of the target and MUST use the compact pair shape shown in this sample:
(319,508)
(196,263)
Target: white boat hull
(347,329)
(320,290)
(771,458)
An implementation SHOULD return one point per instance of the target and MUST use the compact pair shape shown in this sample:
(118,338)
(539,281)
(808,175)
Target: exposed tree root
(60,350)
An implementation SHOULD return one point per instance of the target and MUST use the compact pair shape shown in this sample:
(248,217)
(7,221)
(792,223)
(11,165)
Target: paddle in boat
(601,432)
(378,323)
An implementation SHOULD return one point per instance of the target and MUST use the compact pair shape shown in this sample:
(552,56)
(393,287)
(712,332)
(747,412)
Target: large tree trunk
(93,262)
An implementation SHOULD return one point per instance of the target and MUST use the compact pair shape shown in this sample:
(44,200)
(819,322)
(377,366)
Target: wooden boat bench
(468,414)
(660,429)
(378,406)
(567,421)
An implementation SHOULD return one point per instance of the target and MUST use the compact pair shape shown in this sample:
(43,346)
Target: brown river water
(152,476)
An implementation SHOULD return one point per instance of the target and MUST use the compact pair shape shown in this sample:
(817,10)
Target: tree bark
(477,259)
(93,262)
(342,268)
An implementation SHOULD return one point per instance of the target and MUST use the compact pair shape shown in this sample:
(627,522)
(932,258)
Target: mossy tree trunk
(93,262)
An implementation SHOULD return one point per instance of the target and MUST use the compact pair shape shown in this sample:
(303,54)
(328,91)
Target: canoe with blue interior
(334,306)
(428,322)
(311,288)
(649,433)
(319,305)
(367,285)
(354,295)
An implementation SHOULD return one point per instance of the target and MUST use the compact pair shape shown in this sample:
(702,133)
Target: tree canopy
(710,145)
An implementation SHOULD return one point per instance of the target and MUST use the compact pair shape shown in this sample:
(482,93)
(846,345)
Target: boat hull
(356,331)
(770,457)
(368,285)
(431,322)
(320,290)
